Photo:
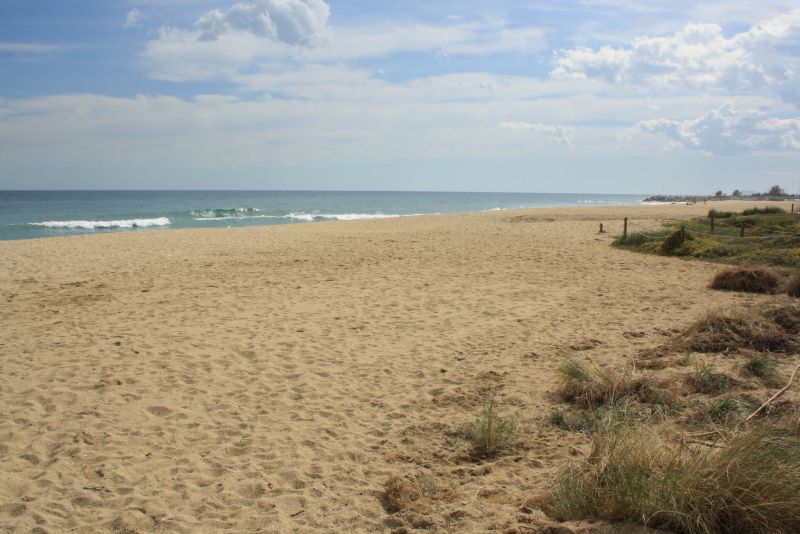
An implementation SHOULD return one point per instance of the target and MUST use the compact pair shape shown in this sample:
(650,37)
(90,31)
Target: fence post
(792,207)
(712,223)
(625,230)
(741,231)
(601,228)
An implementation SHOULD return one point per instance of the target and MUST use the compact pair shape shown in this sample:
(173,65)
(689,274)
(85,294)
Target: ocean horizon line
(201,190)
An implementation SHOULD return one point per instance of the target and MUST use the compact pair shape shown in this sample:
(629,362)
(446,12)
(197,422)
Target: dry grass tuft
(793,287)
(706,379)
(401,494)
(747,280)
(588,387)
(786,316)
(750,486)
(762,330)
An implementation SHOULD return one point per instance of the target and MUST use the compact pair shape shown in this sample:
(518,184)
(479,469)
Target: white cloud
(245,40)
(556,132)
(295,22)
(133,19)
(729,131)
(763,59)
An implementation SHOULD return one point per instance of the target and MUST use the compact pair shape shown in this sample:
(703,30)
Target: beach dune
(272,379)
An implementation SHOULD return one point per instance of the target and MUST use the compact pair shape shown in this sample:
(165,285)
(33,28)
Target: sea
(37,214)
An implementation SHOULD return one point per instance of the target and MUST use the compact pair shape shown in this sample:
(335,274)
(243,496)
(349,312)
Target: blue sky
(594,96)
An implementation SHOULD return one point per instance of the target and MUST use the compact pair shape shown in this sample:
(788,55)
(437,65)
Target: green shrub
(635,239)
(721,214)
(557,418)
(769,210)
(671,246)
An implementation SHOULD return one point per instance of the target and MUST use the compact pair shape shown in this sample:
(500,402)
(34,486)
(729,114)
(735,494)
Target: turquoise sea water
(32,214)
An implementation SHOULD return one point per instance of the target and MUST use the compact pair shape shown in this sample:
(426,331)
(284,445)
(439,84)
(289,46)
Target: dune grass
(763,367)
(705,379)
(588,387)
(766,328)
(489,434)
(769,210)
(723,411)
(752,485)
(746,280)
(793,286)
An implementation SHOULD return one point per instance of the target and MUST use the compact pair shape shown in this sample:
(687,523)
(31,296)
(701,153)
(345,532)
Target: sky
(591,96)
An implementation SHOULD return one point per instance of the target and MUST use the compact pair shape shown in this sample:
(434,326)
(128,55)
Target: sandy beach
(272,379)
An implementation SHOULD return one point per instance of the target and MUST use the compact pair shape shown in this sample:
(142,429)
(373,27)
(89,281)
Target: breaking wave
(222,215)
(92,225)
(226,213)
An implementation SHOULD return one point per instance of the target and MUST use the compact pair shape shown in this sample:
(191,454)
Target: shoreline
(276,377)
(158,229)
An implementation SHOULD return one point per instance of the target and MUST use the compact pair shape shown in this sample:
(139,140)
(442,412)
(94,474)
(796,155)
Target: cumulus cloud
(556,132)
(133,19)
(295,22)
(728,131)
(266,36)
(765,58)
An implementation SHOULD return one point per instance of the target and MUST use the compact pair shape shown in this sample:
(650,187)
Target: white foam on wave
(237,217)
(92,225)
(219,214)
(338,216)
(310,217)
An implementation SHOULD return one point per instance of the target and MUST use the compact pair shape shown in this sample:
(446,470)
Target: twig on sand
(772,398)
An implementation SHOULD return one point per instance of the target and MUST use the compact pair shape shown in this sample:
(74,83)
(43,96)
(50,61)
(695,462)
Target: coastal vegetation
(760,236)
(490,433)
(698,463)
(770,327)
(746,280)
(751,483)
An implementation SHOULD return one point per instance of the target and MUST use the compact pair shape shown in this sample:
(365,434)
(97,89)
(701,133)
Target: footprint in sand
(160,411)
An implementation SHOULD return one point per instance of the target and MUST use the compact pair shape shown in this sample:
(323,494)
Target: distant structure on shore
(775,192)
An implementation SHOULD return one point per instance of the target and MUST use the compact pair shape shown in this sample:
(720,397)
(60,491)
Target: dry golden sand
(272,379)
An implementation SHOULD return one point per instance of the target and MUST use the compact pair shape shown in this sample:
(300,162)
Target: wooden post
(683,234)
(625,230)
(712,223)
(601,228)
(741,230)
(792,207)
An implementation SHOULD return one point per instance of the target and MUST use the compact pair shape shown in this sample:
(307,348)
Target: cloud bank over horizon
(316,94)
